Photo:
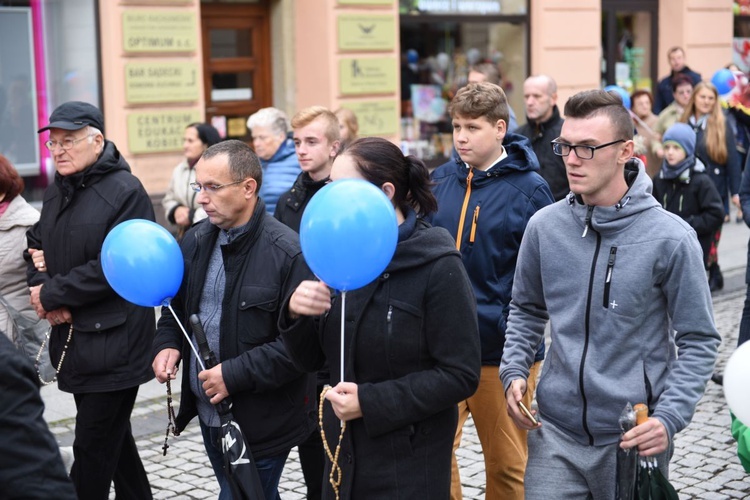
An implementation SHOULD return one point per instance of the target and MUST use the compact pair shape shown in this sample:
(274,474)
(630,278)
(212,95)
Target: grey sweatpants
(562,468)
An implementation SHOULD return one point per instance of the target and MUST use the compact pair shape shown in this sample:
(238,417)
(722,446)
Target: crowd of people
(598,225)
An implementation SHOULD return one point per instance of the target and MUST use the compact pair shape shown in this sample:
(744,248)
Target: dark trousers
(312,459)
(104,448)
(269,468)
(744,335)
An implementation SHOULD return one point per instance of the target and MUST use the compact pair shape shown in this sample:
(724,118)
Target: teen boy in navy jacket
(485,199)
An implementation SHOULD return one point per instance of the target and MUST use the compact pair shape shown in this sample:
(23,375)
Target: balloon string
(179,323)
(343,313)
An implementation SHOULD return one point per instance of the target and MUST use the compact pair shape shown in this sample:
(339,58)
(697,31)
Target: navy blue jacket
(501,200)
(664,95)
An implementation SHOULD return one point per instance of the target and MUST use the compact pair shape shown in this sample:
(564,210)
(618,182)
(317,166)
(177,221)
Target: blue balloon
(724,81)
(142,262)
(348,233)
(624,96)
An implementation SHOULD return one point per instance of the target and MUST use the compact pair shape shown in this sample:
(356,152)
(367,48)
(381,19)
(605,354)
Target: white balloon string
(185,333)
(343,315)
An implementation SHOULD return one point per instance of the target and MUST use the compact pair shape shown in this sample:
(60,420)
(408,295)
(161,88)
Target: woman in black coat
(411,339)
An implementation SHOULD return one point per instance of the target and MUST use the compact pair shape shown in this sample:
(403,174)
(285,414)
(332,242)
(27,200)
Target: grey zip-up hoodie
(631,313)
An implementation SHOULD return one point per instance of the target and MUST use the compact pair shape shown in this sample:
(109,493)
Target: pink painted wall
(317,55)
(154,170)
(702,27)
(565,43)
(566,39)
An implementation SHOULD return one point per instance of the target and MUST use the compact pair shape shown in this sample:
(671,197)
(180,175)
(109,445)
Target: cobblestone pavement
(704,465)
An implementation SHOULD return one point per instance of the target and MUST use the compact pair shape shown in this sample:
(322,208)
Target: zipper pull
(611,263)
(390,314)
(464,208)
(474,220)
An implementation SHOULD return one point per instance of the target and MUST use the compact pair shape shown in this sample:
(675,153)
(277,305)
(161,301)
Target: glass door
(630,43)
(237,64)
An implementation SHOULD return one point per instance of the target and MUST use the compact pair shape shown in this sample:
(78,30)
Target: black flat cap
(74,115)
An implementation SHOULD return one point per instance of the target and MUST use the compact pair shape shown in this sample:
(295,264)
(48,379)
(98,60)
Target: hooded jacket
(693,196)
(552,167)
(632,318)
(17,219)
(271,398)
(494,209)
(292,203)
(111,345)
(279,174)
(413,349)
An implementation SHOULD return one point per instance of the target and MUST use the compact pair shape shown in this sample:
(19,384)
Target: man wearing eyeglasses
(622,283)
(99,342)
(241,264)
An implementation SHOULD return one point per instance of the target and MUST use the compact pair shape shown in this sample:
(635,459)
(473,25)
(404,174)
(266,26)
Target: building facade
(156,65)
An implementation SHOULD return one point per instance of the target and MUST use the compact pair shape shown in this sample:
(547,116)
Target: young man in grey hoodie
(623,284)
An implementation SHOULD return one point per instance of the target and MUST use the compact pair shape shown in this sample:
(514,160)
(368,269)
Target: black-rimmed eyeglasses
(583,152)
(211,188)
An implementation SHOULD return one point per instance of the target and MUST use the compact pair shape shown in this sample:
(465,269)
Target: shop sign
(159,131)
(362,32)
(237,127)
(376,117)
(159,31)
(150,82)
(359,76)
(481,7)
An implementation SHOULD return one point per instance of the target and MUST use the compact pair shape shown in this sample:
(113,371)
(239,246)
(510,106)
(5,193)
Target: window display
(51,57)
(438,51)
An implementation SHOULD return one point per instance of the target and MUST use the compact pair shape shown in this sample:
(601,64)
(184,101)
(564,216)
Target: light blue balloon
(348,233)
(724,81)
(624,96)
(142,262)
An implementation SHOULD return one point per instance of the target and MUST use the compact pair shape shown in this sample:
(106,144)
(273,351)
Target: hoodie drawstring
(587,221)
(462,219)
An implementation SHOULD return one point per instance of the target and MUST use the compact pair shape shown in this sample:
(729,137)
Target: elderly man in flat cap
(100,343)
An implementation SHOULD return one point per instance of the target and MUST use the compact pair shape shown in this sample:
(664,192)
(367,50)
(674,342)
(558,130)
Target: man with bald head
(543,124)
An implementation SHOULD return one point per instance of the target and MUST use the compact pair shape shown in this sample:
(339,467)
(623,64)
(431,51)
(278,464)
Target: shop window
(629,44)
(440,41)
(741,45)
(49,55)
(18,117)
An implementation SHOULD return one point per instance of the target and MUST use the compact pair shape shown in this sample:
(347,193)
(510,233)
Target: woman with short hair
(16,217)
(275,148)
(180,207)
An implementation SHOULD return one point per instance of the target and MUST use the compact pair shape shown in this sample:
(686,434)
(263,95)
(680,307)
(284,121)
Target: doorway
(630,43)
(236,63)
